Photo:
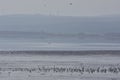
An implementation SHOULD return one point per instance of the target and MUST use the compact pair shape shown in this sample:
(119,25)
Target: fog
(19,32)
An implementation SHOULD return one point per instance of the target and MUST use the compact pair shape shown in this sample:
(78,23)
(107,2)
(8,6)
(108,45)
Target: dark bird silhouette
(70,3)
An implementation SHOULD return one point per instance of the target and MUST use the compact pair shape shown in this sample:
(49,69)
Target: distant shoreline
(60,52)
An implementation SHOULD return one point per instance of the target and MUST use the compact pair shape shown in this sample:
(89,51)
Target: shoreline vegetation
(65,69)
(77,65)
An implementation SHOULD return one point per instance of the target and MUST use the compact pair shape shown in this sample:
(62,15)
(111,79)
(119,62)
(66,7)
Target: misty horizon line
(54,15)
(46,34)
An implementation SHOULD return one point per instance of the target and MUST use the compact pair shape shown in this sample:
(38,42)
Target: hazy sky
(60,7)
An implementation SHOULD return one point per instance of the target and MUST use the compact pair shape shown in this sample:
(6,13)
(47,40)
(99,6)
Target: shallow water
(43,45)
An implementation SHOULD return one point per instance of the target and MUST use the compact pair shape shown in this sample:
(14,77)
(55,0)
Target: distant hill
(60,24)
(61,28)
